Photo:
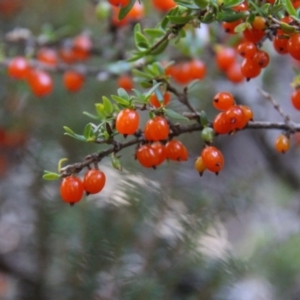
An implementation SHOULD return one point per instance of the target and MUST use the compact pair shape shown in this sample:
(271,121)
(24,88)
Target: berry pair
(72,187)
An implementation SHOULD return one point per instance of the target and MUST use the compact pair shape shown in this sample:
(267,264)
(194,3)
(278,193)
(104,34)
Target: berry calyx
(213,159)
(71,189)
(282,143)
(94,181)
(127,121)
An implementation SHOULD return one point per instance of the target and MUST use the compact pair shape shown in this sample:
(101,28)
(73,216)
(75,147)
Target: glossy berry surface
(247,49)
(40,82)
(294,46)
(164,5)
(146,156)
(234,73)
(94,181)
(221,124)
(223,101)
(156,129)
(261,59)
(197,69)
(71,189)
(249,69)
(160,152)
(127,121)
(73,81)
(82,46)
(282,143)
(18,68)
(225,58)
(156,103)
(175,150)
(213,159)
(295,98)
(235,116)
(47,56)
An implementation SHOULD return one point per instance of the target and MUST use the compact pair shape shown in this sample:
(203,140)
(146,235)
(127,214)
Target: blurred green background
(150,234)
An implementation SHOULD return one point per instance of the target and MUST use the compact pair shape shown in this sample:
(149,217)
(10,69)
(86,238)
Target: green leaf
(154,87)
(100,110)
(203,118)
(125,10)
(180,19)
(154,32)
(174,115)
(290,8)
(123,94)
(50,175)
(230,16)
(141,41)
(202,3)
(141,74)
(88,130)
(108,107)
(94,117)
(187,4)
(120,100)
(77,137)
(68,130)
(241,27)
(116,162)
(231,3)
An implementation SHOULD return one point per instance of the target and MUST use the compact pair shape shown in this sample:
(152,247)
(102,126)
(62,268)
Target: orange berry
(282,143)
(199,165)
(235,116)
(259,23)
(234,73)
(175,150)
(125,82)
(40,82)
(223,101)
(248,113)
(261,58)
(294,46)
(156,103)
(229,27)
(160,152)
(119,2)
(146,156)
(127,121)
(156,129)
(295,98)
(47,56)
(82,46)
(213,159)
(225,58)
(71,189)
(249,69)
(253,35)
(247,49)
(94,181)
(73,81)
(280,44)
(164,5)
(221,124)
(197,69)
(18,68)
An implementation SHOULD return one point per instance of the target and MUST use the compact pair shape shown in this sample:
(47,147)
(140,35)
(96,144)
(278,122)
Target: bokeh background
(150,234)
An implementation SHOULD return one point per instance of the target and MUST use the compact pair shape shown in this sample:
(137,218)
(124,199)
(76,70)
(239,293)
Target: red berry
(47,56)
(125,82)
(294,46)
(261,59)
(235,116)
(247,49)
(94,181)
(234,73)
(229,27)
(223,101)
(127,121)
(18,68)
(249,69)
(160,152)
(156,103)
(282,143)
(213,159)
(146,156)
(295,98)
(280,44)
(225,58)
(164,5)
(119,2)
(82,46)
(73,81)
(40,82)
(71,189)
(221,124)
(197,69)
(175,150)
(248,113)
(156,129)
(253,35)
